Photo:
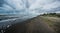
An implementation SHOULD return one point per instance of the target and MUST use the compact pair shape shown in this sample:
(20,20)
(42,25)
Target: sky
(29,7)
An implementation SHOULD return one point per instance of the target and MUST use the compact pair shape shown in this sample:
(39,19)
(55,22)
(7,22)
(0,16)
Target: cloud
(30,7)
(1,3)
(16,4)
(45,5)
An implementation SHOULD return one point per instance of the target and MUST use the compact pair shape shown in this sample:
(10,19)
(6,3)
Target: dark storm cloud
(1,2)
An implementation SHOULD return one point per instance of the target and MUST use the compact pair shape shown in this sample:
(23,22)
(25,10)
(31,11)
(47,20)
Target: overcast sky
(29,7)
